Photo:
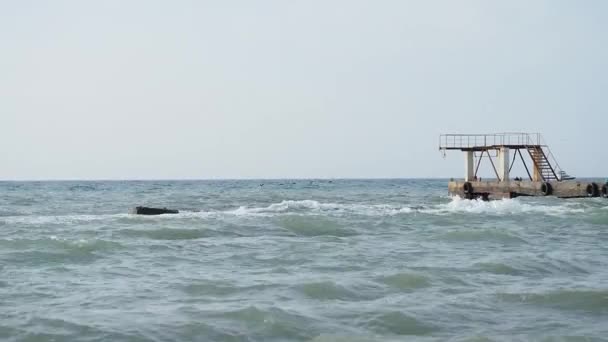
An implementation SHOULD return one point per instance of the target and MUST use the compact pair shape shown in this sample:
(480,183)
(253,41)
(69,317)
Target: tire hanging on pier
(546,189)
(592,190)
(468,188)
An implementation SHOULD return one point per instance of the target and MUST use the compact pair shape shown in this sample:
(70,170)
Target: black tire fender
(468,188)
(592,190)
(546,188)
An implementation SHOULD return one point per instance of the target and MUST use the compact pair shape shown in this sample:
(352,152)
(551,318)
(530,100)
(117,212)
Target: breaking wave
(501,207)
(58,219)
(457,205)
(307,206)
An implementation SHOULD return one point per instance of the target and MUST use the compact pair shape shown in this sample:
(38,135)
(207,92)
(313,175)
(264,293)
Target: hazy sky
(266,89)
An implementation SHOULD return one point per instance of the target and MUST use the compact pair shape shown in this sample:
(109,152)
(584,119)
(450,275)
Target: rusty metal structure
(546,176)
(544,165)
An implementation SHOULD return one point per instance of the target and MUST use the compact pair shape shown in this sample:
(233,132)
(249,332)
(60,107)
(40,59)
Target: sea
(298,260)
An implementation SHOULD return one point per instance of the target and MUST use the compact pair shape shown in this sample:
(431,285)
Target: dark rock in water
(153,211)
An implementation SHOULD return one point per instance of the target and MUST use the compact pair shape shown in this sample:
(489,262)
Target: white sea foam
(78,242)
(499,207)
(457,205)
(315,207)
(58,219)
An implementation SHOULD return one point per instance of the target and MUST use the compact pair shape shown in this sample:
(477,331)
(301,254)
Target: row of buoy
(592,189)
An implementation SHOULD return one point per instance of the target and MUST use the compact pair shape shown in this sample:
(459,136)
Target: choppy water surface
(342,260)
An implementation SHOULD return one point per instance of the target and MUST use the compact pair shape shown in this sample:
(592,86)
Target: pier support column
(503,164)
(536,177)
(469,166)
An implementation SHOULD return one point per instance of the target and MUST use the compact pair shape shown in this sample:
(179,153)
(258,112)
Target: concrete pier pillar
(536,177)
(469,166)
(503,164)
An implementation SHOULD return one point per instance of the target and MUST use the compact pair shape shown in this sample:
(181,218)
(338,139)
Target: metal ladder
(540,160)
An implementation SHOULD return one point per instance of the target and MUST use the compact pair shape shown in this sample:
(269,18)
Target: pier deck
(493,189)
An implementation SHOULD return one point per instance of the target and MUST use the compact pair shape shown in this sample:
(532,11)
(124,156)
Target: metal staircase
(543,166)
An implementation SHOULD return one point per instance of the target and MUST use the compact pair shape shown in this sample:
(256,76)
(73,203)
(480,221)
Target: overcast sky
(284,89)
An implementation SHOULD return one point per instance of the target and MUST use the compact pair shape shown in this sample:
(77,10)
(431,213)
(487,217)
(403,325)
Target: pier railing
(464,141)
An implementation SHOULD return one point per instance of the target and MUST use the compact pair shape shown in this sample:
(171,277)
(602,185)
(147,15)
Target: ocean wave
(269,323)
(83,218)
(399,323)
(498,268)
(599,217)
(292,206)
(58,219)
(406,281)
(476,235)
(314,226)
(500,207)
(534,265)
(212,288)
(53,250)
(6,213)
(167,233)
(588,300)
(343,338)
(55,243)
(456,205)
(312,206)
(327,290)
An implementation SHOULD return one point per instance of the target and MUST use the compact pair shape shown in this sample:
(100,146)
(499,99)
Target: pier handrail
(460,141)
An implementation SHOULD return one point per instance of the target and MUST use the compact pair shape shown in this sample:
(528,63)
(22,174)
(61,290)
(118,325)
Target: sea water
(297,260)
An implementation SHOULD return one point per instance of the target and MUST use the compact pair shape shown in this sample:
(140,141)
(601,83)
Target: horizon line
(206,179)
(238,179)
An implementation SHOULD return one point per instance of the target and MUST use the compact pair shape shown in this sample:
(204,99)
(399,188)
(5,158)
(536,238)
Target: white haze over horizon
(293,89)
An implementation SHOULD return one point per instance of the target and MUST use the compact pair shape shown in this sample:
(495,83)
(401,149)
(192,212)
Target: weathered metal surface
(544,165)
(546,176)
(496,190)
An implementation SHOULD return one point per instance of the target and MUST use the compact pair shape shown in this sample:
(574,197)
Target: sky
(183,89)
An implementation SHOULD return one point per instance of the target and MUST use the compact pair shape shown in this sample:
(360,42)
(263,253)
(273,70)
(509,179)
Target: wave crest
(306,206)
(457,205)
(588,300)
(500,207)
